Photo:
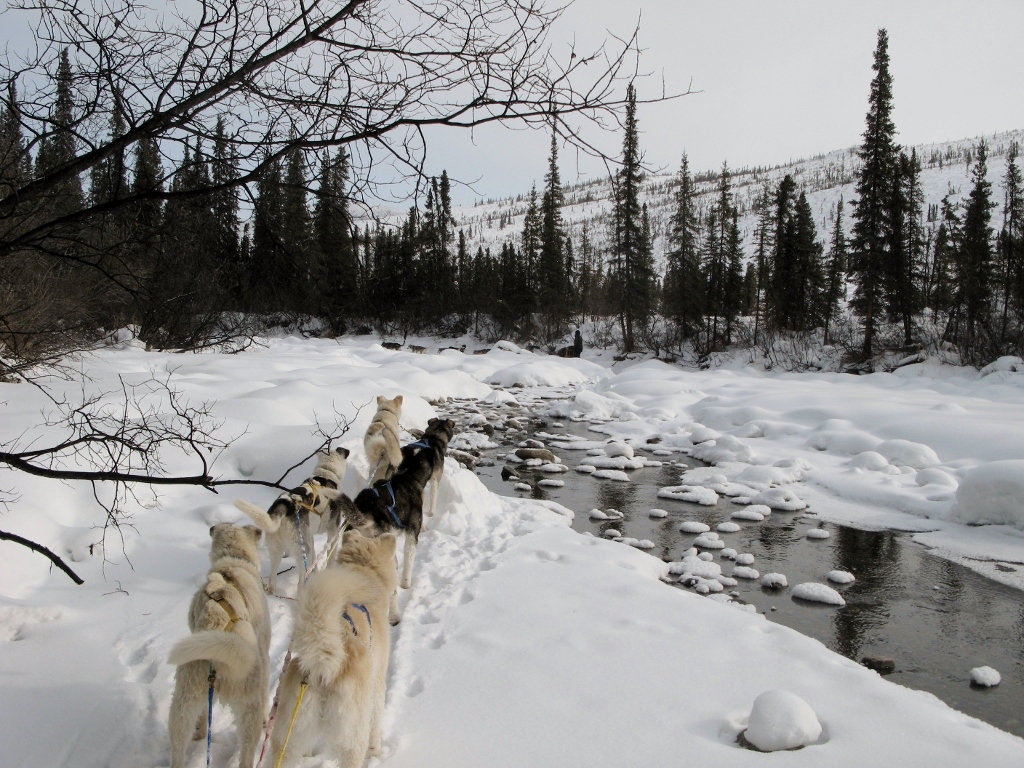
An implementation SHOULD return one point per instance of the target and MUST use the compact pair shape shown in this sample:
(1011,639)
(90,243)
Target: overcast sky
(778,80)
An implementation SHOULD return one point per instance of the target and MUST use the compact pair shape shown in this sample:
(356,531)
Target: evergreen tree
(224,201)
(552,297)
(1011,239)
(57,148)
(906,242)
(765,244)
(271,274)
(530,244)
(684,286)
(15,162)
(974,267)
(296,236)
(871,235)
(631,268)
(781,292)
(835,272)
(332,227)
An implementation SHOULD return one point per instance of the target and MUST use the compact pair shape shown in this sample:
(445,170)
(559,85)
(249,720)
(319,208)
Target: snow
(657,512)
(693,526)
(747,513)
(745,558)
(784,499)
(727,527)
(781,720)
(818,593)
(774,581)
(745,572)
(841,577)
(817,533)
(992,494)
(985,677)
(696,494)
(514,634)
(611,474)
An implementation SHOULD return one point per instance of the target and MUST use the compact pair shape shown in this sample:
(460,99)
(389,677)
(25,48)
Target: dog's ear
(212,529)
(343,451)
(351,535)
(254,533)
(432,422)
(380,400)
(397,400)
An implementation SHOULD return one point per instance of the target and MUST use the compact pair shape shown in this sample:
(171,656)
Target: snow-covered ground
(522,642)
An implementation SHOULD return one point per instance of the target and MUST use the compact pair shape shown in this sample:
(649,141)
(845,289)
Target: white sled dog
(230,642)
(382,443)
(340,648)
(287,523)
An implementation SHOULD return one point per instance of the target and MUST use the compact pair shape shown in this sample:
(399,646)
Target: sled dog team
(331,690)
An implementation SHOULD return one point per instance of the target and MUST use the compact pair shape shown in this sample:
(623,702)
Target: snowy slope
(523,642)
(825,179)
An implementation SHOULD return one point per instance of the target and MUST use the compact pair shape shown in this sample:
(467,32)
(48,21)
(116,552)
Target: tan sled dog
(340,647)
(382,444)
(230,641)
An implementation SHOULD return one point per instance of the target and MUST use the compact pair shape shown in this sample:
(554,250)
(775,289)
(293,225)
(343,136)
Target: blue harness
(348,618)
(423,443)
(391,508)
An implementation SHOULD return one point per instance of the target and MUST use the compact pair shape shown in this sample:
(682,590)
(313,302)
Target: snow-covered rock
(817,533)
(774,581)
(841,577)
(781,720)
(745,559)
(694,493)
(783,499)
(610,474)
(657,513)
(745,572)
(905,453)
(747,513)
(693,526)
(985,677)
(727,527)
(818,593)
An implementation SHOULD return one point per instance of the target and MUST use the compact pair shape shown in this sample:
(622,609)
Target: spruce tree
(631,268)
(552,298)
(296,236)
(332,229)
(1011,239)
(765,243)
(972,327)
(835,272)
(684,288)
(58,146)
(904,263)
(224,201)
(15,162)
(270,275)
(871,235)
(781,292)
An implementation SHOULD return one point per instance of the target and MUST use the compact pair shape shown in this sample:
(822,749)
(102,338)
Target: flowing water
(936,619)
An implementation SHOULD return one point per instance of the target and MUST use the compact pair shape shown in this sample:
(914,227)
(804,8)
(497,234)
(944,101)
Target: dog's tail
(263,521)
(235,651)
(320,642)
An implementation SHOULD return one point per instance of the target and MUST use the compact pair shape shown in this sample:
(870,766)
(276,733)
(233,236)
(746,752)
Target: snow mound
(747,513)
(781,720)
(1005,364)
(727,527)
(904,453)
(782,499)
(639,543)
(774,581)
(586,469)
(701,434)
(706,542)
(611,533)
(725,448)
(499,397)
(935,477)
(745,559)
(728,553)
(615,462)
(818,533)
(549,482)
(694,566)
(619,449)
(841,577)
(818,593)
(693,493)
(658,513)
(745,572)
(522,487)
(693,526)
(992,494)
(611,474)
(611,514)
(985,677)
(870,460)
(553,468)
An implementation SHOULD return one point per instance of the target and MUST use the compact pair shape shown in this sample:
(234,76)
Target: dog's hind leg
(377,709)
(187,709)
(249,717)
(435,489)
(409,557)
(276,552)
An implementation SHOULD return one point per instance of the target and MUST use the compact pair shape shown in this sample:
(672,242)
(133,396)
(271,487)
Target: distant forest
(181,266)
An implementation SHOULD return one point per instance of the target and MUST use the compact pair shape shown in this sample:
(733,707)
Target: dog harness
(422,443)
(348,618)
(391,508)
(232,616)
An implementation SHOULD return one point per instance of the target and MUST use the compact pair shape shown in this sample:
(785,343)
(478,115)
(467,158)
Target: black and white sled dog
(396,505)
(230,643)
(340,647)
(288,522)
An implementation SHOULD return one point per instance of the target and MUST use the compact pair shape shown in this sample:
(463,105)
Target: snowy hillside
(824,178)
